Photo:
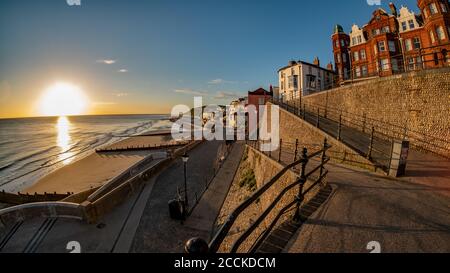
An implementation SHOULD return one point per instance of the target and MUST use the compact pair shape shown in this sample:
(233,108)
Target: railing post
(304,111)
(369,153)
(300,197)
(270,150)
(279,152)
(339,128)
(318,117)
(296,150)
(324,157)
(364,123)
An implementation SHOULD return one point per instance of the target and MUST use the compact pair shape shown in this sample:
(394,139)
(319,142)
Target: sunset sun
(63,99)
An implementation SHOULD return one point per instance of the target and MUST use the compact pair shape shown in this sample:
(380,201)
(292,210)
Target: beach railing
(283,201)
(121,178)
(18,213)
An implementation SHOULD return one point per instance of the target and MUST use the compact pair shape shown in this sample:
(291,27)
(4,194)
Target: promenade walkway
(402,216)
(361,141)
(157,232)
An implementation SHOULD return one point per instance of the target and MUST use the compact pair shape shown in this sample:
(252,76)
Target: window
(375,32)
(358,71)
(404,27)
(444,8)
(408,45)
(356,56)
(364,71)
(411,24)
(363,54)
(342,43)
(359,39)
(354,40)
(385,64)
(440,33)
(433,39)
(338,58)
(311,81)
(416,42)
(344,57)
(392,46)
(394,64)
(337,43)
(382,46)
(375,49)
(433,9)
(385,29)
(411,65)
(293,82)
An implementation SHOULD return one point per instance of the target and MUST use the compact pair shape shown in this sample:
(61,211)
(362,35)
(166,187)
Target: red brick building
(259,97)
(394,42)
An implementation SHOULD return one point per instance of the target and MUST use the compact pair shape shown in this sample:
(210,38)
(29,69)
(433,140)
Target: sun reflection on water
(64,140)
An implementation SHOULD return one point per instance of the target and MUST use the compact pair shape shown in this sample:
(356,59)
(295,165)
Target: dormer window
(433,9)
(359,39)
(411,24)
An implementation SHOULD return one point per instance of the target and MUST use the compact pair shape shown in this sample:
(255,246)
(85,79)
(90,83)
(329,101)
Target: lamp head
(185,158)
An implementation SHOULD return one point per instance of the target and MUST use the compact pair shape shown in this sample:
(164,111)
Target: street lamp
(185,158)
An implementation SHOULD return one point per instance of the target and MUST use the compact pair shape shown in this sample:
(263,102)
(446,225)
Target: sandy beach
(98,168)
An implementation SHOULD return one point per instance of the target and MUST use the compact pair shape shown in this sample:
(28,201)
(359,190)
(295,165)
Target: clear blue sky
(169,49)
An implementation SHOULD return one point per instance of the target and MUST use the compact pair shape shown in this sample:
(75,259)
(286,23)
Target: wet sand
(98,168)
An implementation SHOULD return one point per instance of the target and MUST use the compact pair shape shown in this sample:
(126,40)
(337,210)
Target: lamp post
(185,158)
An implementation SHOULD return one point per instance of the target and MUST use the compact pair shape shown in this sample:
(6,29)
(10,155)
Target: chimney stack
(316,61)
(393,9)
(330,67)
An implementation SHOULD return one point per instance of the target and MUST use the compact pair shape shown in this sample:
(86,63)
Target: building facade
(299,79)
(394,42)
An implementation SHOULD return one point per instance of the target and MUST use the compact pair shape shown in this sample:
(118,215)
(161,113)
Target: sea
(31,148)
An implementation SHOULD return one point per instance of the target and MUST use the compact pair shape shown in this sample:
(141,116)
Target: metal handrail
(220,236)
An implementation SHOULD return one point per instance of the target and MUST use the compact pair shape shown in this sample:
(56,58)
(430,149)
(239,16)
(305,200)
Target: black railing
(382,130)
(295,203)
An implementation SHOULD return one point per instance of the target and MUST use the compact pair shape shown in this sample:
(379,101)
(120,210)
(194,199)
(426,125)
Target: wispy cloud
(106,61)
(191,92)
(121,94)
(122,71)
(226,95)
(221,81)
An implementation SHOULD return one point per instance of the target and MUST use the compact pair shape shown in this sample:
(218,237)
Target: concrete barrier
(14,214)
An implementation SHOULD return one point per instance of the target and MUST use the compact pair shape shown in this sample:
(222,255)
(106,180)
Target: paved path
(156,231)
(360,142)
(410,214)
(402,216)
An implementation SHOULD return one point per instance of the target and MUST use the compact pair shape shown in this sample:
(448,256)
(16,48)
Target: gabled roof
(260,92)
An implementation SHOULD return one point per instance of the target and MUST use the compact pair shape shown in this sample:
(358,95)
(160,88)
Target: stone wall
(293,128)
(418,100)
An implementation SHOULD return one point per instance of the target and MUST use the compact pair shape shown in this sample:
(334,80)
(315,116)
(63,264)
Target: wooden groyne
(140,148)
(20,198)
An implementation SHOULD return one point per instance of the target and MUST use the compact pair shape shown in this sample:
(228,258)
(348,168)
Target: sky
(146,56)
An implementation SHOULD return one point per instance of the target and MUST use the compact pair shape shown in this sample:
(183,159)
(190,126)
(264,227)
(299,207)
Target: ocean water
(33,147)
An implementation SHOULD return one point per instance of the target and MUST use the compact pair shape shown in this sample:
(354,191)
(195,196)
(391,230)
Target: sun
(63,99)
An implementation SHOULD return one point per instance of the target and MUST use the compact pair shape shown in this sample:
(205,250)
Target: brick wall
(418,100)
